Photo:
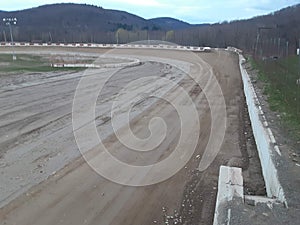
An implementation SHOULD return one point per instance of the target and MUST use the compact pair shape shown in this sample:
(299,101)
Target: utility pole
(8,22)
(278,47)
(50,36)
(4,35)
(287,49)
(298,81)
(258,37)
(117,36)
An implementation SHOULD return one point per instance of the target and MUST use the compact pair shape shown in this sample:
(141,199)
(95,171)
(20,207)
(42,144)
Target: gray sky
(192,11)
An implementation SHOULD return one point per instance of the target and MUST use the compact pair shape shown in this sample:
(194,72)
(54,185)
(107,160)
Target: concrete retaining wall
(92,45)
(135,62)
(265,141)
(230,187)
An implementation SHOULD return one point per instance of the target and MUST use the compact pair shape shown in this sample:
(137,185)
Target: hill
(60,21)
(277,31)
(170,23)
(64,20)
(80,16)
(69,22)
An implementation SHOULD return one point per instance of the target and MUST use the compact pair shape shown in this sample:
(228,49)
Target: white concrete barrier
(93,45)
(233,49)
(230,187)
(135,62)
(264,138)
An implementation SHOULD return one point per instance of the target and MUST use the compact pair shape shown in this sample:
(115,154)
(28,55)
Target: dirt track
(37,140)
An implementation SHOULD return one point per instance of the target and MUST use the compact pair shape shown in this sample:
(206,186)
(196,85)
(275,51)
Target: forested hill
(86,23)
(168,23)
(81,22)
(278,32)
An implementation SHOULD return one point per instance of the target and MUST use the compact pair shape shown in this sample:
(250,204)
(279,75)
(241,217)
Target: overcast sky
(192,11)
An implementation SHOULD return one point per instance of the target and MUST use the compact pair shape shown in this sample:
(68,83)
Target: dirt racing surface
(44,180)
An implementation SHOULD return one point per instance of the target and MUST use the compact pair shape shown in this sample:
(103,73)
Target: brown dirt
(77,195)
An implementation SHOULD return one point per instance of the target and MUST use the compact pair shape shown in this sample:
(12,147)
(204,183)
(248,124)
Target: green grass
(27,63)
(279,78)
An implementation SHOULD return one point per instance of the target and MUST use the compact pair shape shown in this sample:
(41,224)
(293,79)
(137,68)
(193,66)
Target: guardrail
(93,45)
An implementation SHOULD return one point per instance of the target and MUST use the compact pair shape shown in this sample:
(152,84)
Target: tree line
(274,34)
